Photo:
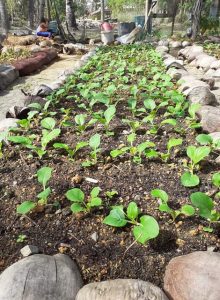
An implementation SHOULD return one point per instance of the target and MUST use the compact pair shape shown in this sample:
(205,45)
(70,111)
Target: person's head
(43,20)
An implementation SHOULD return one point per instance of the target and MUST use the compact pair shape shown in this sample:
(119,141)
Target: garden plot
(114,171)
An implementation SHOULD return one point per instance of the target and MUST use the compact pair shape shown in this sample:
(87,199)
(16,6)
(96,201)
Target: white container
(107,37)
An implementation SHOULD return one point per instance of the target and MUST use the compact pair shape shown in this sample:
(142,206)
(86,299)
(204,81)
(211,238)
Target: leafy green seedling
(216,182)
(43,176)
(171,144)
(94,144)
(71,152)
(196,154)
(207,140)
(78,198)
(205,206)
(191,119)
(186,210)
(21,238)
(145,229)
(111,194)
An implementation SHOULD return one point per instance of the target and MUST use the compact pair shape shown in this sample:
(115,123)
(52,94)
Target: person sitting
(42,29)
(106,26)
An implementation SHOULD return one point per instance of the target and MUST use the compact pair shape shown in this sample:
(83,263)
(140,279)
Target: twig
(135,241)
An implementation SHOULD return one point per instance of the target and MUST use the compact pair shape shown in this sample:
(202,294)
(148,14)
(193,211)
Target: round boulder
(121,289)
(41,277)
(193,276)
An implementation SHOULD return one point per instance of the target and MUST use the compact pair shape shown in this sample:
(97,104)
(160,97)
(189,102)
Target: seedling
(81,122)
(71,152)
(216,182)
(207,140)
(171,144)
(43,176)
(191,119)
(196,154)
(145,228)
(111,194)
(94,144)
(205,206)
(106,117)
(21,238)
(78,198)
(186,210)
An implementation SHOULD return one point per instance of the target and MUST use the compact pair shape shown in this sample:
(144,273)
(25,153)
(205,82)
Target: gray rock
(215,136)
(42,90)
(163,43)
(210,118)
(191,53)
(189,81)
(200,94)
(177,74)
(18,112)
(8,123)
(204,61)
(162,49)
(94,236)
(217,74)
(215,65)
(121,289)
(186,44)
(29,250)
(7,75)
(41,277)
(193,276)
(174,63)
(175,44)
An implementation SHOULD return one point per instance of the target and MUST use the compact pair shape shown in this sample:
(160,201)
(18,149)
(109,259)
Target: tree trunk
(70,15)
(48,10)
(102,10)
(31,13)
(175,9)
(42,8)
(196,16)
(214,9)
(4,17)
(148,18)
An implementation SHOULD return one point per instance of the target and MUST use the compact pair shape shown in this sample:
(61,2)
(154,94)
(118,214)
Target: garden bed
(148,109)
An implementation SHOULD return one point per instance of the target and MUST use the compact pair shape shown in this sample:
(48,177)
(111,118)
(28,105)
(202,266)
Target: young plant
(186,210)
(196,154)
(216,182)
(106,117)
(191,119)
(171,144)
(81,122)
(43,176)
(145,228)
(94,144)
(21,238)
(77,197)
(207,140)
(71,152)
(205,206)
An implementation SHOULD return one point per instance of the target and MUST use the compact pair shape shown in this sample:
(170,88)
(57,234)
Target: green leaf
(80,145)
(216,179)
(80,119)
(147,230)
(193,109)
(131,138)
(75,195)
(48,123)
(76,208)
(189,180)
(118,152)
(172,122)
(95,191)
(157,193)
(173,143)
(25,207)
(109,113)
(196,154)
(132,211)
(164,207)
(61,146)
(150,104)
(116,218)
(96,201)
(204,139)
(43,175)
(20,140)
(141,147)
(150,153)
(47,137)
(44,194)
(187,210)
(94,141)
(35,105)
(208,229)
(204,203)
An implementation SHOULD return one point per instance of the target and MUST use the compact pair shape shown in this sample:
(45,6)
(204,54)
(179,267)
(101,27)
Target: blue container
(125,28)
(139,20)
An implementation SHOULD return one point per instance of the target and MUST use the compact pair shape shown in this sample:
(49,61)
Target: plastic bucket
(139,20)
(125,28)
(53,26)
(107,37)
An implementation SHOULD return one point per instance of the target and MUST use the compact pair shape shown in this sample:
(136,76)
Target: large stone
(121,289)
(200,94)
(215,136)
(8,123)
(162,49)
(215,64)
(204,61)
(189,81)
(7,75)
(41,277)
(172,62)
(177,74)
(186,44)
(193,276)
(210,118)
(191,53)
(175,44)
(163,43)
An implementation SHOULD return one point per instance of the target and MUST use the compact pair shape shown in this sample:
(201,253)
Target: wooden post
(102,10)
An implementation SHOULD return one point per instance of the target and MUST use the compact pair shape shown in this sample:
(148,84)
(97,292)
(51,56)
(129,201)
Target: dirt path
(13,95)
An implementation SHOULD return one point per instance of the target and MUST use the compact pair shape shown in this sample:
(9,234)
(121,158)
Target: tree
(31,13)
(42,8)
(70,15)
(4,17)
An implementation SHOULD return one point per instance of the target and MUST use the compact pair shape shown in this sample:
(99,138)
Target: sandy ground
(13,95)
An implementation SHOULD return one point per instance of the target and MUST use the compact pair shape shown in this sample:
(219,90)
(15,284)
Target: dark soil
(55,229)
